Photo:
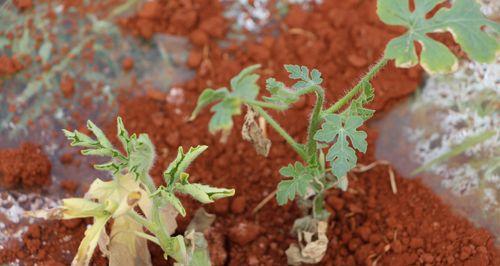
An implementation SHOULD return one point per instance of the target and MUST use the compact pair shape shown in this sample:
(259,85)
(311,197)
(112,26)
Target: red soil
(9,65)
(26,166)
(368,223)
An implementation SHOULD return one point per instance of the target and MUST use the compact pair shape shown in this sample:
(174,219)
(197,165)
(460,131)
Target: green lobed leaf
(339,129)
(207,97)
(244,85)
(244,88)
(306,79)
(464,20)
(288,189)
(222,120)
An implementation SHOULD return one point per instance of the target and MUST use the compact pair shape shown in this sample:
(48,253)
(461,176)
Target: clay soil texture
(369,225)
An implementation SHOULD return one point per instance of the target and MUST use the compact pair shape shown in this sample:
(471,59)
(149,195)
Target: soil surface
(26,167)
(369,224)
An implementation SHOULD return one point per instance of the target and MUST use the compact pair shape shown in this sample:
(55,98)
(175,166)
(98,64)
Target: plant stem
(266,105)
(371,73)
(314,123)
(157,224)
(141,220)
(296,146)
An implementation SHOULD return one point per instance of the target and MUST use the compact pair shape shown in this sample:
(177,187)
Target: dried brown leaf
(254,134)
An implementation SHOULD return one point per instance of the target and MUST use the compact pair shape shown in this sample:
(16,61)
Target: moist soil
(369,223)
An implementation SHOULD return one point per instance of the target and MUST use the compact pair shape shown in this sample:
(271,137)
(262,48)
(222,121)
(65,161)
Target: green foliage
(244,88)
(179,165)
(139,157)
(279,93)
(301,177)
(306,78)
(356,108)
(177,181)
(464,20)
(338,129)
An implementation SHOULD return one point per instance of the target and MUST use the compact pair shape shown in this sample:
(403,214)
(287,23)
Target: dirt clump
(9,65)
(201,18)
(23,4)
(24,167)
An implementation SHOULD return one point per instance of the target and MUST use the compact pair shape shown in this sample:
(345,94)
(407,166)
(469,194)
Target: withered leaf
(254,134)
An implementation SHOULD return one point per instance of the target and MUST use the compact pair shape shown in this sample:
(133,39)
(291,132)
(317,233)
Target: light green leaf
(356,108)
(174,201)
(103,140)
(223,113)
(244,85)
(141,156)
(306,79)
(181,163)
(79,139)
(279,93)
(123,135)
(464,20)
(204,193)
(288,189)
(339,129)
(207,97)
(244,88)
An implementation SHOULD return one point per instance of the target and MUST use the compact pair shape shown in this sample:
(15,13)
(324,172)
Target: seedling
(133,202)
(334,135)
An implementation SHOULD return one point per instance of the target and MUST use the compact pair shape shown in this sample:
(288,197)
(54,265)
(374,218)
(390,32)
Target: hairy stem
(157,223)
(296,146)
(314,123)
(344,100)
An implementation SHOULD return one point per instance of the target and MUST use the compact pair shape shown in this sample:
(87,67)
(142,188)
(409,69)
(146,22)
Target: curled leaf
(89,242)
(254,134)
(204,193)
(71,208)
(312,242)
(201,221)
(181,163)
(125,246)
(196,243)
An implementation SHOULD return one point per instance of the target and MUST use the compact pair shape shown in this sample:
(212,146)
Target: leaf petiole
(354,91)
(289,139)
(279,107)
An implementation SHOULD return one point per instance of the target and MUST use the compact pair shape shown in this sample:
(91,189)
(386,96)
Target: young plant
(134,203)
(334,134)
